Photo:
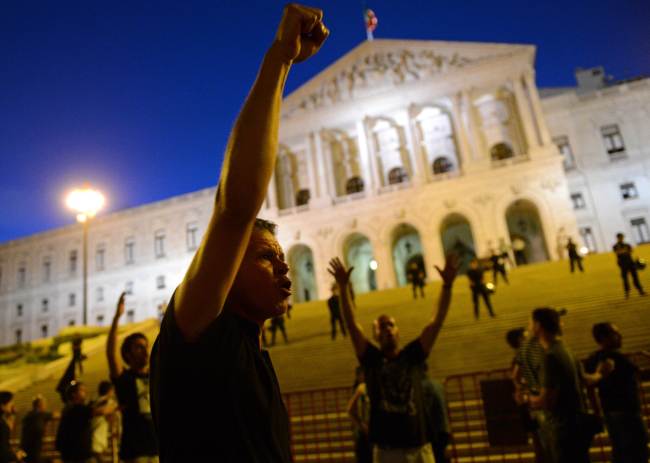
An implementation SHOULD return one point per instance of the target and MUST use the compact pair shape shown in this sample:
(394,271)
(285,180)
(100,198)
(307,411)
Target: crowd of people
(208,391)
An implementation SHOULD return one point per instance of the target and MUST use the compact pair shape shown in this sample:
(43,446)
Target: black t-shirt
(138,431)
(397,415)
(619,391)
(33,430)
(333,305)
(217,399)
(7,454)
(475,276)
(74,436)
(573,250)
(623,254)
(561,373)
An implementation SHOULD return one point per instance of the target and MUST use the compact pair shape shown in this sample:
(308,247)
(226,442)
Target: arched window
(397,175)
(501,151)
(302,197)
(354,185)
(442,165)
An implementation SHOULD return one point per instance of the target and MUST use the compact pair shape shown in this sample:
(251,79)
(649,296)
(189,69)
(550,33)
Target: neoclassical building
(398,153)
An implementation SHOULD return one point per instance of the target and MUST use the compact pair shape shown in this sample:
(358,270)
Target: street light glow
(373,264)
(86,202)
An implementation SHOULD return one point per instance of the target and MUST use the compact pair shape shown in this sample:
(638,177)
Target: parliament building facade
(399,152)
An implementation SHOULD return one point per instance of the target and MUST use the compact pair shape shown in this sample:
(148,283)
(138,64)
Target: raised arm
(342,276)
(114,362)
(431,331)
(248,164)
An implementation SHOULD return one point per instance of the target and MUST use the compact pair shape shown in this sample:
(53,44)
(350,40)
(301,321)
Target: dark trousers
(274,328)
(334,319)
(629,437)
(520,258)
(568,442)
(575,260)
(416,285)
(630,270)
(499,270)
(439,444)
(362,448)
(482,292)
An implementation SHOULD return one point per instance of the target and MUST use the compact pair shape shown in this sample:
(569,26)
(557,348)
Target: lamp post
(86,202)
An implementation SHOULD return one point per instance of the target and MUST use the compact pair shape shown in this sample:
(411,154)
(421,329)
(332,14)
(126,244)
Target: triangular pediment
(379,66)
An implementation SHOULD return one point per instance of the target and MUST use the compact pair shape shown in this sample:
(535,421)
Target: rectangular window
(192,236)
(640,230)
(588,238)
(73,262)
(129,250)
(19,336)
(628,190)
(45,306)
(100,294)
(22,276)
(100,320)
(128,288)
(47,269)
(100,258)
(578,201)
(613,141)
(44,331)
(159,244)
(72,299)
(160,282)
(564,147)
(72,322)
(19,310)
(130,316)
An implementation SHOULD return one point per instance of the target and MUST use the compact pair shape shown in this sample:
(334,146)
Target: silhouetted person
(574,256)
(475,274)
(359,412)
(74,371)
(33,430)
(415,276)
(7,422)
(519,249)
(435,405)
(566,427)
(132,389)
(627,264)
(207,362)
(498,267)
(398,428)
(504,252)
(335,311)
(277,324)
(619,395)
(74,435)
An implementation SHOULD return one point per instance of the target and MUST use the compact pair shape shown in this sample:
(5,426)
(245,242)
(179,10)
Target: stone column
(460,132)
(272,193)
(478,150)
(417,171)
(327,174)
(375,181)
(364,157)
(525,115)
(531,87)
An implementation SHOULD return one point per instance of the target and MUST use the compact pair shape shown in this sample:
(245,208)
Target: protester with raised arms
(215,396)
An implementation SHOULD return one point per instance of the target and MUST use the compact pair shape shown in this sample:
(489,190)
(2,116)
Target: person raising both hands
(398,428)
(214,393)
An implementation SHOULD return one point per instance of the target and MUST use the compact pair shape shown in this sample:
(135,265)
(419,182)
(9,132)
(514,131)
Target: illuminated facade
(398,153)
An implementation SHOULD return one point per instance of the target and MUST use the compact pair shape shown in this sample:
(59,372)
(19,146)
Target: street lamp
(86,202)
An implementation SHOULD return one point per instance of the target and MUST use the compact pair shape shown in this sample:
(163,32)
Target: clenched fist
(301,33)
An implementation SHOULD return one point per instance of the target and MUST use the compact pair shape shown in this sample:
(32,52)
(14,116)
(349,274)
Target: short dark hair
(6,397)
(37,400)
(128,342)
(72,389)
(514,336)
(104,387)
(262,224)
(549,320)
(620,235)
(601,330)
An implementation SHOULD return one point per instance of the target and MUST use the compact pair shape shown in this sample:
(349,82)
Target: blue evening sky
(138,97)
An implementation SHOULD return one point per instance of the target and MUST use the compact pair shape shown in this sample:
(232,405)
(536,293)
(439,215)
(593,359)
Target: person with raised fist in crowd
(207,362)
(398,424)
(139,443)
(619,393)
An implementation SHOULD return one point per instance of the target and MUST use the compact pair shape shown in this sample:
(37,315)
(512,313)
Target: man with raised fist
(214,393)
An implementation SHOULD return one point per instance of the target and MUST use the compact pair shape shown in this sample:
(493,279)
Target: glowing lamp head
(584,250)
(373,264)
(86,202)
